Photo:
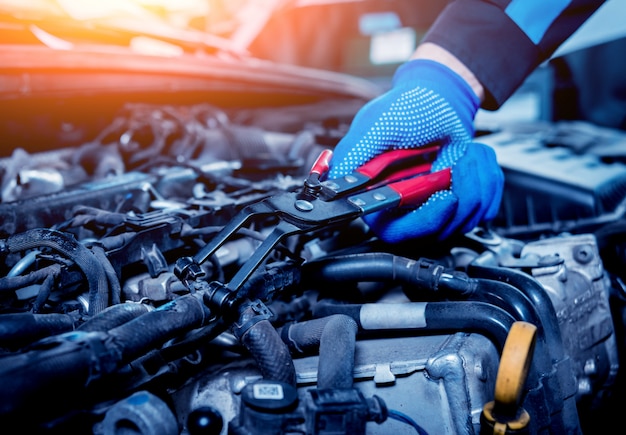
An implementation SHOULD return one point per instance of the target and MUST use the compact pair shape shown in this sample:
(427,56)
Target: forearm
(434,52)
(502,41)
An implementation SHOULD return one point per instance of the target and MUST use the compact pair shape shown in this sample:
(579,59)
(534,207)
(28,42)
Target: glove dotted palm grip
(427,104)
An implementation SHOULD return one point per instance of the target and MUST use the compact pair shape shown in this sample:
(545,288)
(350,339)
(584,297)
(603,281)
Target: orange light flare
(151,27)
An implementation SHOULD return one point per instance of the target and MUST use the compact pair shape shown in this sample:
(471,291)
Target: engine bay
(105,329)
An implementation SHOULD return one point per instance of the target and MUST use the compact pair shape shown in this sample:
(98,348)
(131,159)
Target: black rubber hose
(270,353)
(113,316)
(153,329)
(266,347)
(20,329)
(335,339)
(381,267)
(360,267)
(486,319)
(112,278)
(70,362)
(519,306)
(512,300)
(11,283)
(425,274)
(67,245)
(537,295)
(506,297)
(44,293)
(37,379)
(273,278)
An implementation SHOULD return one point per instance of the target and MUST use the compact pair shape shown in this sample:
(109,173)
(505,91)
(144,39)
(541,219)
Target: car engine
(106,326)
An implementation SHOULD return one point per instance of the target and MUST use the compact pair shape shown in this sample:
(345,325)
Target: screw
(303,205)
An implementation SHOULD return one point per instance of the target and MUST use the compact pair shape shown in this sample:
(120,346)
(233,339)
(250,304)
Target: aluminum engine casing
(441,381)
(579,290)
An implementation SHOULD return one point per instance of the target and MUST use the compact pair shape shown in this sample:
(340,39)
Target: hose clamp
(251,314)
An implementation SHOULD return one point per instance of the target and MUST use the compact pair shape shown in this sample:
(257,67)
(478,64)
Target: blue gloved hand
(427,104)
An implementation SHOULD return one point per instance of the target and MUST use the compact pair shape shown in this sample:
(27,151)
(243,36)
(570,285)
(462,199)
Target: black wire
(400,416)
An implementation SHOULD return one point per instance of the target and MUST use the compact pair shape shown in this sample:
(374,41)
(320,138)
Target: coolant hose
(112,278)
(70,362)
(273,278)
(374,266)
(50,378)
(507,297)
(114,316)
(19,329)
(14,282)
(534,291)
(67,245)
(335,337)
(488,320)
(382,267)
(153,329)
(258,335)
(424,274)
(512,300)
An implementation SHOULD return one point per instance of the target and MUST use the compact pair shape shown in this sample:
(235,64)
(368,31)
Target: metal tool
(399,178)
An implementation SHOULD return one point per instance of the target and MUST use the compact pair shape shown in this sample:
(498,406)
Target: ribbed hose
(114,316)
(67,363)
(335,337)
(67,245)
(270,353)
(337,346)
(153,329)
(37,380)
(112,278)
(19,329)
(273,278)
(11,283)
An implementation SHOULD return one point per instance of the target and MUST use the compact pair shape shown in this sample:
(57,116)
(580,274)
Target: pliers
(398,178)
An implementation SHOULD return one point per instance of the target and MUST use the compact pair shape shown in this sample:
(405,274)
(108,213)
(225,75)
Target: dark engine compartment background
(92,226)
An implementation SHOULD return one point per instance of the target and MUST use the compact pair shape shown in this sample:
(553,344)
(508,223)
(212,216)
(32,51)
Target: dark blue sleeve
(503,41)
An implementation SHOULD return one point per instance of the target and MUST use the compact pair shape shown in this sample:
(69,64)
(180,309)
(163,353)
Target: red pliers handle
(397,178)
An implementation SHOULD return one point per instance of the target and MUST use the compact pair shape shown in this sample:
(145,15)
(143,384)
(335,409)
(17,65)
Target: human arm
(434,98)
(502,41)
(436,53)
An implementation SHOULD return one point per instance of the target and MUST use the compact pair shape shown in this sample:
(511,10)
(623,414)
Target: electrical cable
(402,417)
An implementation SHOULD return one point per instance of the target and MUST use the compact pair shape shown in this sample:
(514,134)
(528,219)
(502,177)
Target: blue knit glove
(427,104)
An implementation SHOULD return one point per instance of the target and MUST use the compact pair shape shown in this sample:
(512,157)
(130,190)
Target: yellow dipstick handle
(515,362)
(504,415)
